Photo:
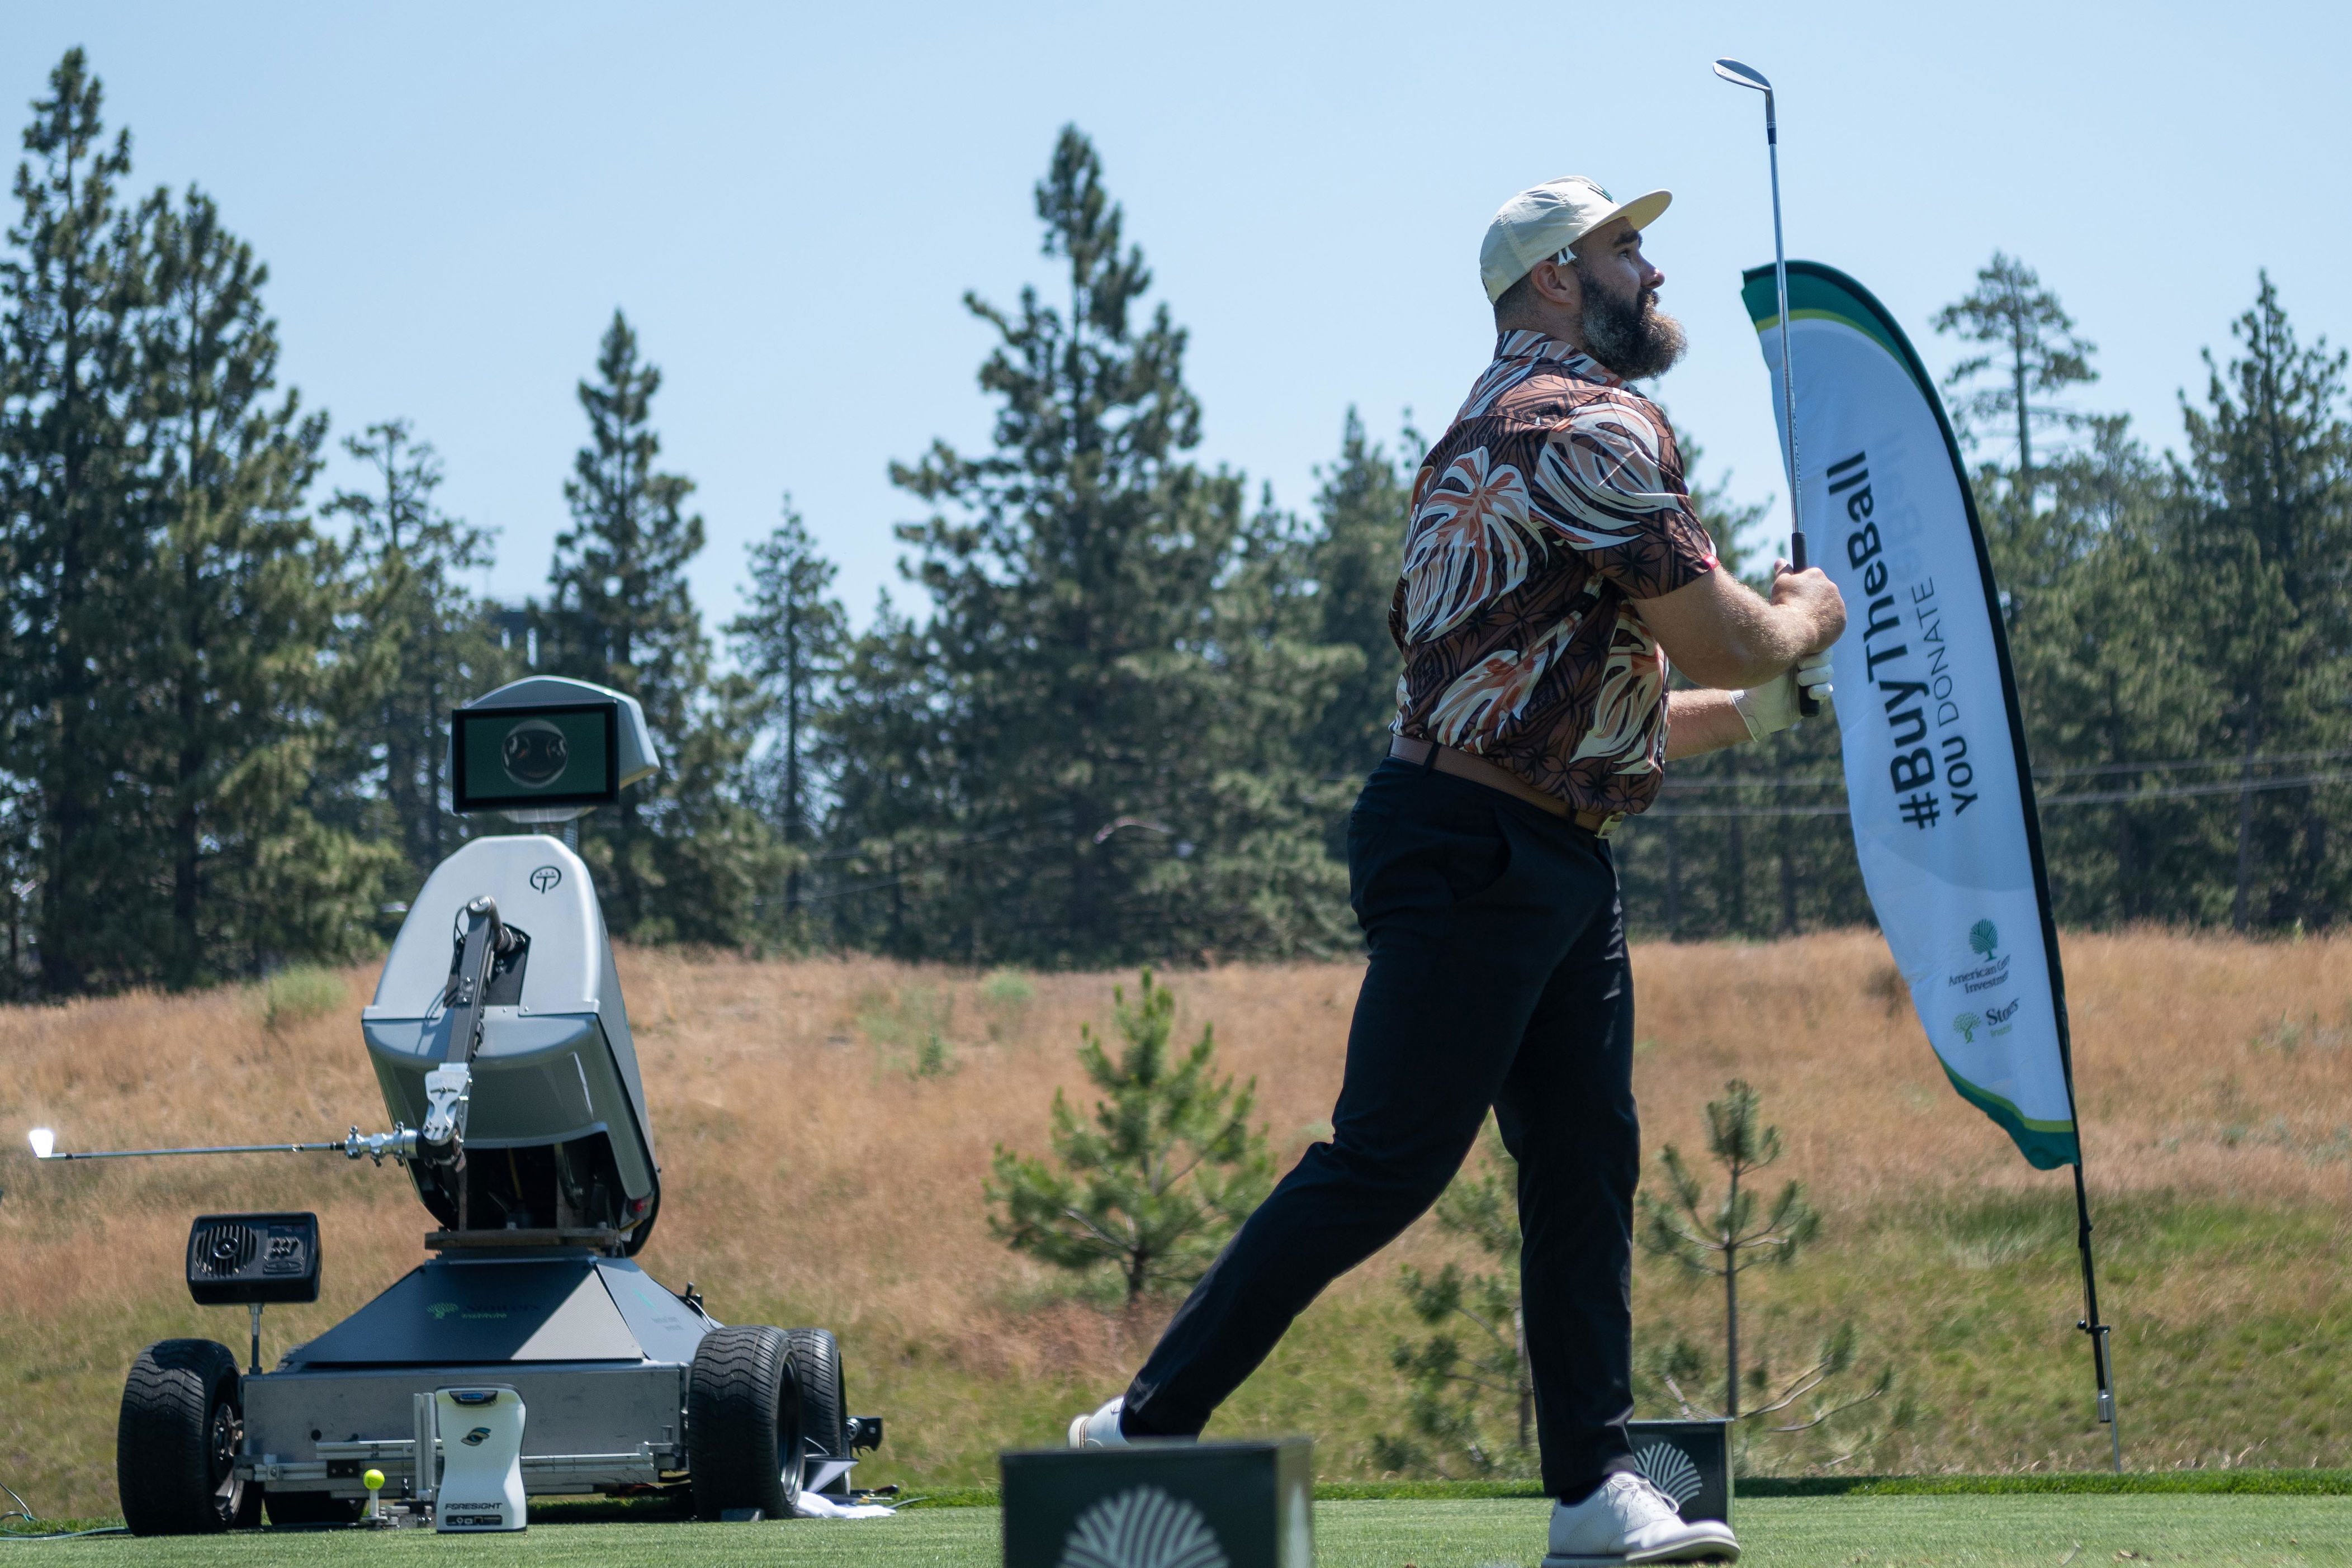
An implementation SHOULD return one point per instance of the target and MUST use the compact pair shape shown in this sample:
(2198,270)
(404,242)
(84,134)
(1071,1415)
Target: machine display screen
(564,754)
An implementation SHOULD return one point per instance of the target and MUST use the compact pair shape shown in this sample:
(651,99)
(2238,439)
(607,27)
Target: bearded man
(1552,567)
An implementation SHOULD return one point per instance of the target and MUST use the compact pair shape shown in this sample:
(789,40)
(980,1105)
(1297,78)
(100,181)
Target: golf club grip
(1807,703)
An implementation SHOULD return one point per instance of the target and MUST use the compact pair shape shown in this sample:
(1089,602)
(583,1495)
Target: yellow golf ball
(374,1480)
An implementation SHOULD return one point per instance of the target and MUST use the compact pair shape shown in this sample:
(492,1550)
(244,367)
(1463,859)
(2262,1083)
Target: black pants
(1498,978)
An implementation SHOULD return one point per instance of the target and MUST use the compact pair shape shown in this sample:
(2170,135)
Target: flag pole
(2102,1366)
(2103,1370)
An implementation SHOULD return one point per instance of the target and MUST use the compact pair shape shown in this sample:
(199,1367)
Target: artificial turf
(2043,1531)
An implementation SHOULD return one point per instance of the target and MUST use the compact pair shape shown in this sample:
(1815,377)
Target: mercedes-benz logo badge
(545,879)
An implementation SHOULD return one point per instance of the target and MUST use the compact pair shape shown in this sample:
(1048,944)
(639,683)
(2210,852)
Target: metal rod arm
(334,1148)
(400,1145)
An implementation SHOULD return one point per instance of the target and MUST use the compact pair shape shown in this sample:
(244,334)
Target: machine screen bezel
(461,800)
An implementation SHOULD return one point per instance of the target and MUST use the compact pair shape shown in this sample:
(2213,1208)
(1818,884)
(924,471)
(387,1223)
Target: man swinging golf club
(1552,567)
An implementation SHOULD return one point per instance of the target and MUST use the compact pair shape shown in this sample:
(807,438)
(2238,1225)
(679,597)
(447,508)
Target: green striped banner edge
(1816,298)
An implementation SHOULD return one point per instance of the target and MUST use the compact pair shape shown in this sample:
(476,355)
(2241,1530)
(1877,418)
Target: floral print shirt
(1550,510)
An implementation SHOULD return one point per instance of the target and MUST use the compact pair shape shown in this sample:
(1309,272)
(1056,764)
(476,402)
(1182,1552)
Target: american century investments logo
(1984,941)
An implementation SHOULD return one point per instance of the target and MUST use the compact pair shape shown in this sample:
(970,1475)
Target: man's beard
(1636,340)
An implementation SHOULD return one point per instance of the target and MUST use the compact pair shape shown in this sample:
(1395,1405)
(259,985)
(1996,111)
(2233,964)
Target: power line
(2086,797)
(2218,786)
(2104,768)
(1795,782)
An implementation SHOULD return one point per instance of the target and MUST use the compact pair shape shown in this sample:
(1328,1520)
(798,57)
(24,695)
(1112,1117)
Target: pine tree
(791,642)
(1168,1171)
(242,601)
(75,543)
(1724,1242)
(2267,521)
(419,642)
(1717,1243)
(887,750)
(1252,872)
(621,615)
(1362,507)
(2109,678)
(1089,673)
(2035,353)
(621,612)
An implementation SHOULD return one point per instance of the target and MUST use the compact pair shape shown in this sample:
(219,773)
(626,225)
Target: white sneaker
(1100,1430)
(1629,1520)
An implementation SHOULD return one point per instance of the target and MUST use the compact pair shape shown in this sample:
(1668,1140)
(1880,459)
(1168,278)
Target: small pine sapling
(1168,1169)
(1478,1357)
(1725,1241)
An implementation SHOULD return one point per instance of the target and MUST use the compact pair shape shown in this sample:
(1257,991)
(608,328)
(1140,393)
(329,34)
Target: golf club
(1739,75)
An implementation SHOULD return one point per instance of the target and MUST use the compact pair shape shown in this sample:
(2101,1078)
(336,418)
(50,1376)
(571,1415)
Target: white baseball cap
(1537,225)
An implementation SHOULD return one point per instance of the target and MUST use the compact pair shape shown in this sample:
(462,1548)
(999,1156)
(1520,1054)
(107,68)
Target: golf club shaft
(1807,703)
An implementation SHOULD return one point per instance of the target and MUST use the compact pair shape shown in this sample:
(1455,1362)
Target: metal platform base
(580,1415)
(602,1239)
(598,1350)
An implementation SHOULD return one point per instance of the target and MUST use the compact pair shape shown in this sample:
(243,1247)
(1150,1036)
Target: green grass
(2143,1483)
(298,994)
(2043,1531)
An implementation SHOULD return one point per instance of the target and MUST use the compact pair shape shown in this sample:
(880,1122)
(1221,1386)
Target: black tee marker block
(1690,1461)
(1234,1505)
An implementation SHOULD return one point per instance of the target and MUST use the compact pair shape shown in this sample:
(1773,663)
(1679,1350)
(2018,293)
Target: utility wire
(2218,787)
(2084,798)
(2104,767)
(1795,782)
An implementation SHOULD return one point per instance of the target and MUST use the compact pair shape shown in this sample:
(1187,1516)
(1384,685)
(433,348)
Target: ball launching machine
(531,1353)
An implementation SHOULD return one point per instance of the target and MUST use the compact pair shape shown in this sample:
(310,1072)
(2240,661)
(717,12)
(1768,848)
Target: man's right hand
(1811,594)
(1720,633)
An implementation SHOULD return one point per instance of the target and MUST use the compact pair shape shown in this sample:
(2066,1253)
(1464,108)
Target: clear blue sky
(789,200)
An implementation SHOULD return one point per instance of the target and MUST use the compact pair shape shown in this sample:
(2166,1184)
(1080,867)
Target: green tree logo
(1983,936)
(1968,1024)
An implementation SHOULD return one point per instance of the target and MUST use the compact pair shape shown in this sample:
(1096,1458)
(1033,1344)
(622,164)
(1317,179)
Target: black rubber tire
(176,1441)
(312,1508)
(743,1440)
(824,1407)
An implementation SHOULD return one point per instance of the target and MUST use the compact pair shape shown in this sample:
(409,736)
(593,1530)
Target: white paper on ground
(817,1505)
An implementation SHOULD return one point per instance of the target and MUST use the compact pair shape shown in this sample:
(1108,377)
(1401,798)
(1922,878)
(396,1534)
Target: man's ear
(1557,283)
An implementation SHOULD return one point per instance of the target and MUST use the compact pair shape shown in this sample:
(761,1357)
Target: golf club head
(1739,75)
(43,1141)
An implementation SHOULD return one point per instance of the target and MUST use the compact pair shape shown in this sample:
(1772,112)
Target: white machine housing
(557,1070)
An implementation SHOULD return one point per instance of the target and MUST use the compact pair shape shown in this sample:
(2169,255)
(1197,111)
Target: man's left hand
(1772,707)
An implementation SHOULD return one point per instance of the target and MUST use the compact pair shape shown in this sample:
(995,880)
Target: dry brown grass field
(814,1176)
